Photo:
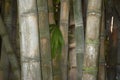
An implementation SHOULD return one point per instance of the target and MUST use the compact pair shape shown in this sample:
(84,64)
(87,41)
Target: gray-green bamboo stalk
(29,44)
(90,64)
(4,58)
(4,64)
(9,50)
(101,74)
(64,24)
(1,72)
(46,61)
(79,36)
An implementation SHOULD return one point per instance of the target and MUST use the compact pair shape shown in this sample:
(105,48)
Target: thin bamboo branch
(46,61)
(64,23)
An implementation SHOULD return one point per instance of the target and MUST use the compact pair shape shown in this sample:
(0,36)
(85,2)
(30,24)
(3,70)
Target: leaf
(56,40)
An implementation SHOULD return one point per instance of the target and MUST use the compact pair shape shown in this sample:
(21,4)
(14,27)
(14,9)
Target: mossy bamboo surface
(4,64)
(46,61)
(1,72)
(9,50)
(79,36)
(90,65)
(101,74)
(29,40)
(64,23)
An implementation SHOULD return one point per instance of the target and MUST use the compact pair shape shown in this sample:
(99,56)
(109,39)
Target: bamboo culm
(64,23)
(9,50)
(29,40)
(90,66)
(79,36)
(44,39)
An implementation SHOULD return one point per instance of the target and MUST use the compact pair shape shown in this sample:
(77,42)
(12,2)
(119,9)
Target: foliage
(57,40)
(56,1)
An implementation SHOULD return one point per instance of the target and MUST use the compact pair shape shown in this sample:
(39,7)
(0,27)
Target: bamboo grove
(53,39)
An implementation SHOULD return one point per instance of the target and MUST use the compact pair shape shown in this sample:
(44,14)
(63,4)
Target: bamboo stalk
(29,44)
(1,72)
(9,50)
(51,12)
(46,61)
(4,58)
(90,64)
(101,74)
(4,64)
(64,23)
(72,54)
(79,36)
(56,61)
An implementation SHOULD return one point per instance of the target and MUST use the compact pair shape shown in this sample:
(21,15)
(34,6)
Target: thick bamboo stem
(90,64)
(64,19)
(46,61)
(29,41)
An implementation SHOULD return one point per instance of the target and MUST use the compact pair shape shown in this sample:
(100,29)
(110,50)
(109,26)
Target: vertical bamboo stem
(4,64)
(56,61)
(29,44)
(64,17)
(9,50)
(51,12)
(79,36)
(101,74)
(46,61)
(90,64)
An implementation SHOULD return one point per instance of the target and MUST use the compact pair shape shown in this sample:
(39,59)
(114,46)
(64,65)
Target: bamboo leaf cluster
(56,40)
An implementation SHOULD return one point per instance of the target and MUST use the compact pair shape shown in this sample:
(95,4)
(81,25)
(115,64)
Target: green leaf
(56,40)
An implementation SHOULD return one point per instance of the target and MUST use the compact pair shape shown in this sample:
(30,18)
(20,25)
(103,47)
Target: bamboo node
(90,70)
(94,13)
(28,59)
(93,42)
